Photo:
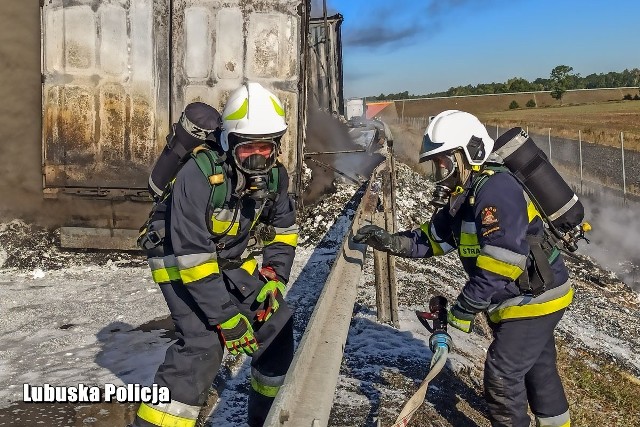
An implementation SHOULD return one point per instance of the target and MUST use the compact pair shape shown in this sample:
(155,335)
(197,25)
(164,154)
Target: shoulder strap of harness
(274,179)
(481,179)
(274,191)
(210,163)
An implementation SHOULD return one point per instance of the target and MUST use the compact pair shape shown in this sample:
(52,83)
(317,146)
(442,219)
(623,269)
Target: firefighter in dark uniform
(216,292)
(518,280)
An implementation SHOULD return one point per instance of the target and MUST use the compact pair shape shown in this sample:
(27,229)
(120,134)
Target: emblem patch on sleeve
(490,222)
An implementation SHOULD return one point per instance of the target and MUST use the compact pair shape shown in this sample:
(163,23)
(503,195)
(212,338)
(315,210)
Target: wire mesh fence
(591,168)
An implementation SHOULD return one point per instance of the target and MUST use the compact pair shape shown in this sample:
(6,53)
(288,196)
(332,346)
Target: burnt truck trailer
(82,134)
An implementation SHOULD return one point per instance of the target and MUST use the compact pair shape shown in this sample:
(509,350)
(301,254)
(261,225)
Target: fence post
(624,174)
(497,131)
(550,146)
(580,149)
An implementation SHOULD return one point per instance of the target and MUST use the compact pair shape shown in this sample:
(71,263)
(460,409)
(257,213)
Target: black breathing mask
(445,177)
(255,158)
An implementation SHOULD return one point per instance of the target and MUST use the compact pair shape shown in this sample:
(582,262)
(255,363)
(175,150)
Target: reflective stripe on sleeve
(438,245)
(181,415)
(250,265)
(287,239)
(286,235)
(197,266)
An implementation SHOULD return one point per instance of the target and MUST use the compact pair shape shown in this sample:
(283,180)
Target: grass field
(599,122)
(600,114)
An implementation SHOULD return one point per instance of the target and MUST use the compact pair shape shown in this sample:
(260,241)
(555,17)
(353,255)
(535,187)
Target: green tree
(531,103)
(560,78)
(514,105)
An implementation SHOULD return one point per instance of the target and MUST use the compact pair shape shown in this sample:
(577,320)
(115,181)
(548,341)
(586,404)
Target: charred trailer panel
(325,75)
(105,95)
(117,73)
(219,45)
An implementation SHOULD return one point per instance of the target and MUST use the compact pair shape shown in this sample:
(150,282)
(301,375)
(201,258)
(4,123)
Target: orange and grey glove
(237,334)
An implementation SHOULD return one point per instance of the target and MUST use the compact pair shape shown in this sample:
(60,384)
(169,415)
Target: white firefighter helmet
(252,111)
(452,130)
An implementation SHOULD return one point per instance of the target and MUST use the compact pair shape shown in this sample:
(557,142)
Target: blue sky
(428,46)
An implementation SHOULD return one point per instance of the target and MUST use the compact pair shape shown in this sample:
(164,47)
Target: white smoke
(615,237)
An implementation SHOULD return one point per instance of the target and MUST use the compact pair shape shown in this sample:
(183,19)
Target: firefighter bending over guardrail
(508,213)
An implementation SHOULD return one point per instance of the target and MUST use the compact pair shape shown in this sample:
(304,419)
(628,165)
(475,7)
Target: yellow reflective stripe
(249,265)
(462,324)
(162,419)
(241,112)
(265,390)
(469,246)
(287,239)
(498,267)
(468,239)
(163,275)
(198,272)
(437,249)
(220,227)
(532,212)
(469,251)
(532,310)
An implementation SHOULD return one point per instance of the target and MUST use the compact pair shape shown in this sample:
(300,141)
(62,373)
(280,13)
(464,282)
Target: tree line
(560,80)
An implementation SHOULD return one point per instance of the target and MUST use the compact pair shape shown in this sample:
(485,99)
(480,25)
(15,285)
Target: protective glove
(460,318)
(374,236)
(378,238)
(237,334)
(268,293)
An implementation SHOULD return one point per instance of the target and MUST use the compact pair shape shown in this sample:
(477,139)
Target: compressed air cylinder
(164,170)
(528,163)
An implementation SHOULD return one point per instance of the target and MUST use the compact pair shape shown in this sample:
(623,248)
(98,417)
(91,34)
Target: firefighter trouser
(520,369)
(191,363)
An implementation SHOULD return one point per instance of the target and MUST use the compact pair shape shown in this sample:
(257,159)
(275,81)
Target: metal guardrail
(306,397)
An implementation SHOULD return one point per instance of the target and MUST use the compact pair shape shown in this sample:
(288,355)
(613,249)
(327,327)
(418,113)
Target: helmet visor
(255,156)
(444,166)
(428,147)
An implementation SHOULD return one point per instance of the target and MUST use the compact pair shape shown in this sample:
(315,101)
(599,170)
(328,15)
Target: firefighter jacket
(208,247)
(491,233)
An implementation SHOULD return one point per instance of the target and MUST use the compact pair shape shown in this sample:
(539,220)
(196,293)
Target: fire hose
(439,343)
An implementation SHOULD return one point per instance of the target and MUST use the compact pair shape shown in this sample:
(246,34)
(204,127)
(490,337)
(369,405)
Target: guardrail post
(580,150)
(624,174)
(384,264)
(550,146)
